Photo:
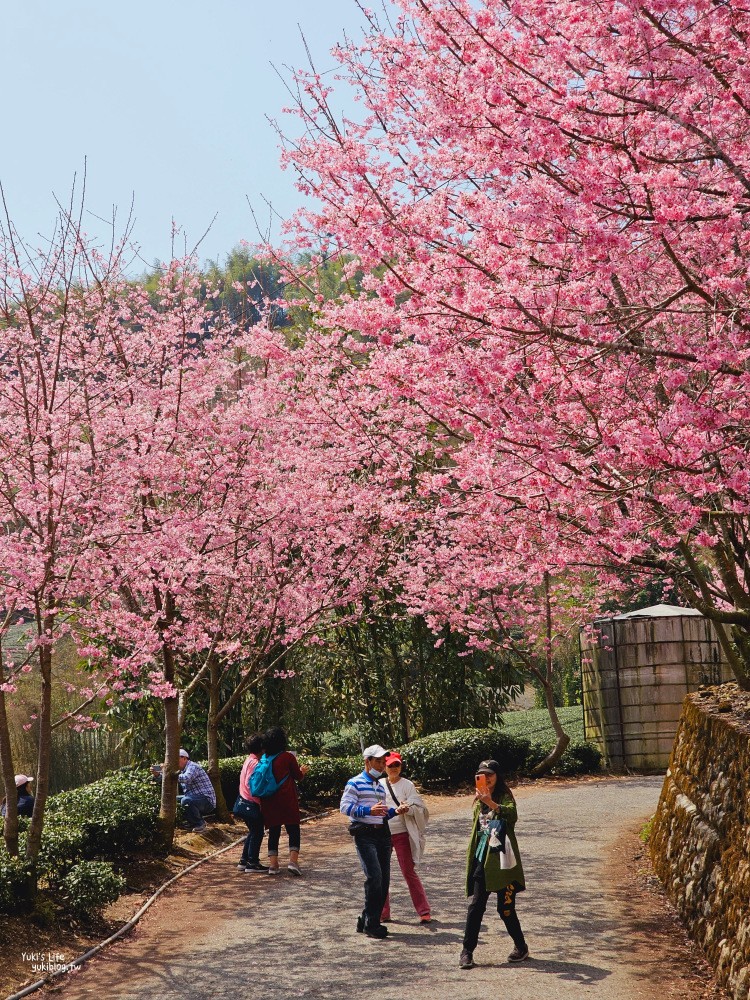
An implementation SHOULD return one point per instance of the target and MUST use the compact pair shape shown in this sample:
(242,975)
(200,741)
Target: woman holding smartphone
(493,862)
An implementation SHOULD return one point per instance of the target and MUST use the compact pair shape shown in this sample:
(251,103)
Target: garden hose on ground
(77,962)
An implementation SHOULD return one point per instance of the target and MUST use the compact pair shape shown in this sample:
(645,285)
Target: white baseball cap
(374,751)
(22,779)
(184,753)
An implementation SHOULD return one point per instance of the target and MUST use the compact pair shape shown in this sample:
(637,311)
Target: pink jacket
(247,769)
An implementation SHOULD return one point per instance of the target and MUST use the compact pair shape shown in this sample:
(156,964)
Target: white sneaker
(294,869)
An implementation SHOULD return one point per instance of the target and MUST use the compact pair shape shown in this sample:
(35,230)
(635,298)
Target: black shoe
(518,954)
(360,924)
(466,961)
(377,931)
(256,869)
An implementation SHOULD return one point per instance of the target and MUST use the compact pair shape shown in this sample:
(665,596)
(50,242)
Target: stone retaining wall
(700,841)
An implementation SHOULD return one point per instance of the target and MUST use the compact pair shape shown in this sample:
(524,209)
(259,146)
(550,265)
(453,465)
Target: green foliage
(453,756)
(90,886)
(344,742)
(327,776)
(580,757)
(100,820)
(647,830)
(535,723)
(230,769)
(390,678)
(16,884)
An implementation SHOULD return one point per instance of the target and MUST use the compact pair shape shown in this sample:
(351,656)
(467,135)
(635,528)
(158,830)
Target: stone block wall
(700,840)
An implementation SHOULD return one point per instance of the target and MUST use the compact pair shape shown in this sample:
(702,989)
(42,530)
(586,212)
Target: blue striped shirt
(361,793)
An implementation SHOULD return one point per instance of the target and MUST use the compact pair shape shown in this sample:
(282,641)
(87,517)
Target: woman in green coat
(493,862)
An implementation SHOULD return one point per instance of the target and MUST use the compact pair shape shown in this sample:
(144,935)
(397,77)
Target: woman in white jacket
(407,833)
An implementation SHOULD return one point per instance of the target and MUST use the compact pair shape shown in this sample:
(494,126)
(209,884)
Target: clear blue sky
(166,102)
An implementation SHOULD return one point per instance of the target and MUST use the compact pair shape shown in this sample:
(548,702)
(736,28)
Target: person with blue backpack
(274,782)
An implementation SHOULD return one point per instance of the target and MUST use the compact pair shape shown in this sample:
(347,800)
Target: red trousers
(402,848)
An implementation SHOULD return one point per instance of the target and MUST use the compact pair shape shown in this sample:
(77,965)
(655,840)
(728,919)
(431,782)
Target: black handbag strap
(393,794)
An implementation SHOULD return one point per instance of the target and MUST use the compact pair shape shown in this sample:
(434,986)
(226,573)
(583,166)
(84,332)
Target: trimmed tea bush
(580,757)
(90,886)
(327,776)
(99,821)
(453,756)
(15,884)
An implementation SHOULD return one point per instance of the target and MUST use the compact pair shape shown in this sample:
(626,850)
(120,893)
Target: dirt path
(593,927)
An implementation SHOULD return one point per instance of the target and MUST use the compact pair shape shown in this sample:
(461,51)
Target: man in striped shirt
(364,803)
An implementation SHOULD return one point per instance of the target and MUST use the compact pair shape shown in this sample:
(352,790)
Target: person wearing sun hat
(493,862)
(25,799)
(363,802)
(407,833)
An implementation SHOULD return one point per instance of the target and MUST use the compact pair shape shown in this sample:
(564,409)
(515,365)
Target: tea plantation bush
(89,886)
(580,757)
(15,874)
(99,821)
(453,756)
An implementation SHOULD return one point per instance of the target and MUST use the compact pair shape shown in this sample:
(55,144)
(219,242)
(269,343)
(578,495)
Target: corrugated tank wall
(636,673)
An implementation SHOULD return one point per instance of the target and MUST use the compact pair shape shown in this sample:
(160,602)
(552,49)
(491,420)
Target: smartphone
(481,783)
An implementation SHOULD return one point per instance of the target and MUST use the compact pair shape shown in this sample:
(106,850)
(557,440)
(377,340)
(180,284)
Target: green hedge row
(84,831)
(433,761)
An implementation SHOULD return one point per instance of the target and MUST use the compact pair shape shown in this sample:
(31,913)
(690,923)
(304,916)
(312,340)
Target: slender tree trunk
(212,738)
(172,736)
(10,824)
(41,785)
(563,739)
(170,770)
(549,694)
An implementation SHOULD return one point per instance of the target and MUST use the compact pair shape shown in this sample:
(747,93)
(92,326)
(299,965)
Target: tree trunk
(212,739)
(562,737)
(10,824)
(549,695)
(170,770)
(41,786)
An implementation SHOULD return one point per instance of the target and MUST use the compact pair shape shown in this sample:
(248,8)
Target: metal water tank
(636,668)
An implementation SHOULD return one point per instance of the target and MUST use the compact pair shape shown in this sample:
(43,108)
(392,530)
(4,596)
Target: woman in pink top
(250,861)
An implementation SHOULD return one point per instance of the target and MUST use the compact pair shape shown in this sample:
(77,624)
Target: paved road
(222,934)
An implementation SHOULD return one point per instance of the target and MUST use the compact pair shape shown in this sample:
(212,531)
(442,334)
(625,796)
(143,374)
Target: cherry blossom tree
(59,320)
(549,202)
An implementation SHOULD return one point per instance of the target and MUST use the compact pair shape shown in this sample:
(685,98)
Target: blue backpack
(263,782)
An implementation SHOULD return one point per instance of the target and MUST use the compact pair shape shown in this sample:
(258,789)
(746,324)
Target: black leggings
(506,907)
(274,835)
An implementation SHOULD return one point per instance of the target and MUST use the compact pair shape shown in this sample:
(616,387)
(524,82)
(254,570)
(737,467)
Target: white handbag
(507,857)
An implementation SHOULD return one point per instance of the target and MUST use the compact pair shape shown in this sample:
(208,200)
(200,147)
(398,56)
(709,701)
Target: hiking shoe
(200,828)
(378,931)
(258,869)
(518,955)
(294,869)
(466,961)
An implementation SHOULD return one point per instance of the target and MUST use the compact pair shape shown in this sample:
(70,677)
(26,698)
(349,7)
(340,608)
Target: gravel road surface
(590,926)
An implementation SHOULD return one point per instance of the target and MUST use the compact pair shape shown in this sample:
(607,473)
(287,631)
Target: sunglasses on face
(394,764)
